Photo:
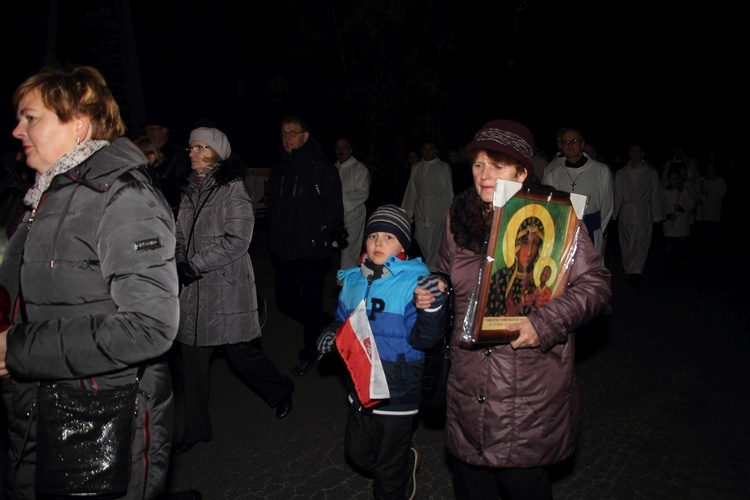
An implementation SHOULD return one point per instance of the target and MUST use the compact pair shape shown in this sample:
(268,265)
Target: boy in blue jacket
(378,438)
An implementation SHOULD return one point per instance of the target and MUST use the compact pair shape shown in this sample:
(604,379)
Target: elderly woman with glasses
(218,298)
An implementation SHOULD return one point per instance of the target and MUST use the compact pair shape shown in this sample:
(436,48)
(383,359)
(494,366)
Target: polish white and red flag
(359,351)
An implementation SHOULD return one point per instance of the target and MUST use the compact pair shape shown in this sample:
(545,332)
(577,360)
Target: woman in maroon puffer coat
(512,408)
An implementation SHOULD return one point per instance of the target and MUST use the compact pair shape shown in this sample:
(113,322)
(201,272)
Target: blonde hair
(149,147)
(75,91)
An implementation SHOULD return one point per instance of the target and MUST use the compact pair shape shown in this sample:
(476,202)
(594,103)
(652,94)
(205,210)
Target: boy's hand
(327,342)
(327,338)
(429,289)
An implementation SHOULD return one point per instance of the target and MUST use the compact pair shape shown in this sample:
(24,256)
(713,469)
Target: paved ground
(664,388)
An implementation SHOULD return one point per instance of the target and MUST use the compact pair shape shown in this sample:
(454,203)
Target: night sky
(624,71)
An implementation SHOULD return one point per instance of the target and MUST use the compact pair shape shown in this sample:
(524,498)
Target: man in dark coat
(305,205)
(175,168)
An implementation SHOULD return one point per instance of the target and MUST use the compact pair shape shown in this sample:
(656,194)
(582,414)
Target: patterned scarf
(69,160)
(369,268)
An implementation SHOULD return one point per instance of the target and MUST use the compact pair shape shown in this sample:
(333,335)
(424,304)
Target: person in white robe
(639,204)
(712,189)
(575,172)
(428,198)
(679,202)
(689,173)
(355,186)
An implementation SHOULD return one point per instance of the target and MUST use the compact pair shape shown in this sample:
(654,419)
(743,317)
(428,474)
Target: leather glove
(186,274)
(430,283)
(327,338)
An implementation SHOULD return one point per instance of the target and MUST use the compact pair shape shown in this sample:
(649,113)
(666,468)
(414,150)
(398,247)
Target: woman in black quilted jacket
(95,256)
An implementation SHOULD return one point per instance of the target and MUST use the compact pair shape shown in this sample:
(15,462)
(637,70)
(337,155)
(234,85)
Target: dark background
(393,73)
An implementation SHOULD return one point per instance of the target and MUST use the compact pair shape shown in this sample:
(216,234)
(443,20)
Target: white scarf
(69,160)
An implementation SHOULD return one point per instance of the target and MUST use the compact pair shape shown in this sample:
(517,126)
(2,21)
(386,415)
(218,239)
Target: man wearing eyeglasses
(305,207)
(576,172)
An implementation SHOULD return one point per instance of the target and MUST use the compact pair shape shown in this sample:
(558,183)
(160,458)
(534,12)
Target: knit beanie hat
(505,136)
(391,219)
(214,138)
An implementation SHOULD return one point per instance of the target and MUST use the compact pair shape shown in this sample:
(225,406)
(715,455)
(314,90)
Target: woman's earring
(78,141)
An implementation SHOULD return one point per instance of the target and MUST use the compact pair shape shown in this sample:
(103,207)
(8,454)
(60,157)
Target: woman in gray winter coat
(218,299)
(512,409)
(98,285)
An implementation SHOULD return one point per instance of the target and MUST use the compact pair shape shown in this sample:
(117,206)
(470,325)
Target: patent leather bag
(84,440)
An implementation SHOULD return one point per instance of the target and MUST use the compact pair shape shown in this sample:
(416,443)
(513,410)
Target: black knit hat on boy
(391,219)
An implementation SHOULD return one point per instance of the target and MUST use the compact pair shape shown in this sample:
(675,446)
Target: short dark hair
(295,119)
(562,130)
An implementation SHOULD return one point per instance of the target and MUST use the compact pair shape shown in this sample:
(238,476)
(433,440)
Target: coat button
(487,351)
(479,451)
(480,399)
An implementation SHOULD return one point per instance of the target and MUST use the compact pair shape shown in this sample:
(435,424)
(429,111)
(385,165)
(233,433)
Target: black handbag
(84,440)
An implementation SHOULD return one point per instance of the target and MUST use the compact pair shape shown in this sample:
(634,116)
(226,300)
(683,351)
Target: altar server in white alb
(428,197)
(576,172)
(639,204)
(355,185)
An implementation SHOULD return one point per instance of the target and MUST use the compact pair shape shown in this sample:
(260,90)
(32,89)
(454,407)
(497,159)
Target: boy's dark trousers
(379,445)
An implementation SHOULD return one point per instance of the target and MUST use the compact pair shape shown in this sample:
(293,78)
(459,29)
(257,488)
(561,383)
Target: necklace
(573,181)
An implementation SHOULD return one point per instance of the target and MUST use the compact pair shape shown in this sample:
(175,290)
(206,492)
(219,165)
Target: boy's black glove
(327,338)
(430,283)
(186,274)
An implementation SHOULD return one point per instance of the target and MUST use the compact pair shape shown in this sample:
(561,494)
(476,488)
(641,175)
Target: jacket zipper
(370,280)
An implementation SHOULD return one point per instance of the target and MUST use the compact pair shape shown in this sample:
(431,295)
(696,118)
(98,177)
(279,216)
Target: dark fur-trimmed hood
(230,169)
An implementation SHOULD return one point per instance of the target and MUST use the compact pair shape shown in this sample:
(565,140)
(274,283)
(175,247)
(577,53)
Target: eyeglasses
(292,133)
(197,148)
(572,141)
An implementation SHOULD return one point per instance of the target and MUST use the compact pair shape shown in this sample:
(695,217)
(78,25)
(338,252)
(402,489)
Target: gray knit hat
(214,138)
(391,219)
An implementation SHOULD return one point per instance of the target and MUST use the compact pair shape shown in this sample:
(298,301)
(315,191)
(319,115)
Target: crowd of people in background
(706,174)
(434,224)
